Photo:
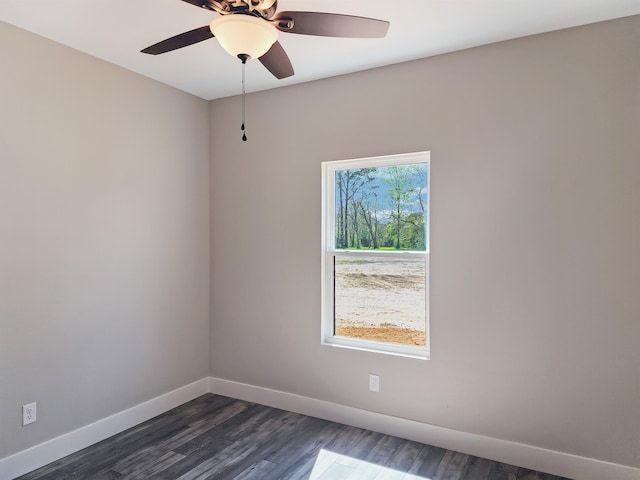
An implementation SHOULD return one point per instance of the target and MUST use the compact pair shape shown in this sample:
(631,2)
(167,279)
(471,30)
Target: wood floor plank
(190,462)
(232,460)
(258,471)
(299,463)
(365,471)
(160,465)
(220,438)
(154,451)
(337,471)
(405,456)
(384,449)
(297,441)
(309,468)
(478,468)
(500,471)
(452,466)
(427,462)
(355,442)
(389,474)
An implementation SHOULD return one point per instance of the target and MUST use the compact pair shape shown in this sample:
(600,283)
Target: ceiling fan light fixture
(244,34)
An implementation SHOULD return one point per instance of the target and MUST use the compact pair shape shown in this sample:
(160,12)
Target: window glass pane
(381,299)
(382,208)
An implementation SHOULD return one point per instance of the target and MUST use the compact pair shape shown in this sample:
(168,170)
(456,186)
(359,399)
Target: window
(375,254)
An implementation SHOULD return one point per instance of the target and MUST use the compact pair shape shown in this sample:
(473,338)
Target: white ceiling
(116,31)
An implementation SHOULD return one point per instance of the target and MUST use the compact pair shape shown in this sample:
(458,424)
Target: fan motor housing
(262,8)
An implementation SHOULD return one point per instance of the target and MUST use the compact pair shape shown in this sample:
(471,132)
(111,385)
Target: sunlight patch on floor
(333,466)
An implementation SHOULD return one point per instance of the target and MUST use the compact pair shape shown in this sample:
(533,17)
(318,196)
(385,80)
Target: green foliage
(381,208)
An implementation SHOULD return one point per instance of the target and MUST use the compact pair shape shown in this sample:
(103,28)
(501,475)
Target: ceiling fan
(249,29)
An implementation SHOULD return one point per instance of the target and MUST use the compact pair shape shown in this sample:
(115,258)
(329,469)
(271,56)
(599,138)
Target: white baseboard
(528,456)
(535,458)
(56,448)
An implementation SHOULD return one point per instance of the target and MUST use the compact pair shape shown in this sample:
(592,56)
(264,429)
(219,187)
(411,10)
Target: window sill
(374,347)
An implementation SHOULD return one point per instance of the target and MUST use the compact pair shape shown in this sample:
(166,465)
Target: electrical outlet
(374,383)
(28,413)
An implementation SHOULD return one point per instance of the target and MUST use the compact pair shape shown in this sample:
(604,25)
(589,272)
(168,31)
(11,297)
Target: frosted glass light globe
(244,34)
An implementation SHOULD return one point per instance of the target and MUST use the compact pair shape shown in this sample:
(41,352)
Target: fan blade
(277,61)
(330,25)
(183,40)
(200,3)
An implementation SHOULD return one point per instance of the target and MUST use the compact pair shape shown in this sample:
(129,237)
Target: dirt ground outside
(381,299)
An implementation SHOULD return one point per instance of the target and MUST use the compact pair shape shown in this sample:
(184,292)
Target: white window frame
(329,251)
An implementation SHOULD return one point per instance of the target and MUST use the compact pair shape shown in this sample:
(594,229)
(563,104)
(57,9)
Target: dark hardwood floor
(215,437)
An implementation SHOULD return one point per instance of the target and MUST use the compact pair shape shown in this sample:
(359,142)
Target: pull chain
(244,135)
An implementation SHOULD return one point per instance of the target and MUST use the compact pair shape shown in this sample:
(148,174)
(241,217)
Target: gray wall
(104,238)
(535,261)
